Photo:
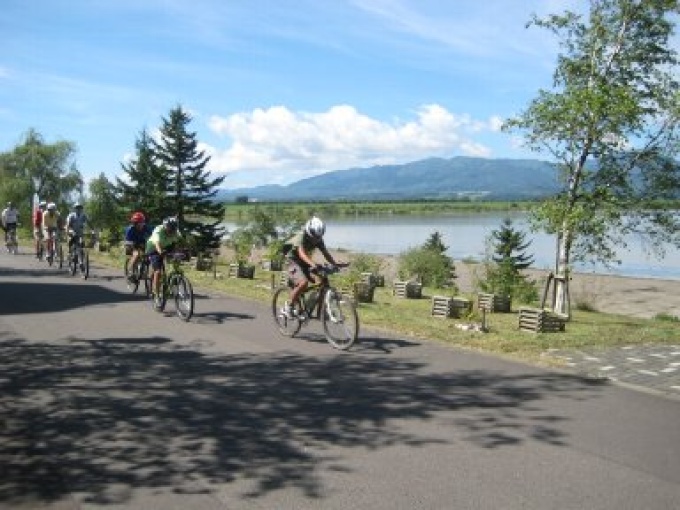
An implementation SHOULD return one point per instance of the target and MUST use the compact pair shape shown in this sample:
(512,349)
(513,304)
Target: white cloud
(288,143)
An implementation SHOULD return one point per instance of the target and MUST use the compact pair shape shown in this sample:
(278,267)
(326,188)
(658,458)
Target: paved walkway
(653,368)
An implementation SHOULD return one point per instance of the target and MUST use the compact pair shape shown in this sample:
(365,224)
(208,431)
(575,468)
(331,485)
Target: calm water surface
(465,236)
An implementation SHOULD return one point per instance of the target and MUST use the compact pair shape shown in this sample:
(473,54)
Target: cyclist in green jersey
(162,240)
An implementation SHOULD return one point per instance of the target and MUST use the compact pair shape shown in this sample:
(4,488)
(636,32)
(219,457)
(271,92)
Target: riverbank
(624,295)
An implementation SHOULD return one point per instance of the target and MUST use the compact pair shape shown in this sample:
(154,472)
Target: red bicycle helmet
(137,218)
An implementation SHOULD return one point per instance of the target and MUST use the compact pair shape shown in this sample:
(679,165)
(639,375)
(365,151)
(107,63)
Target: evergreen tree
(435,242)
(147,185)
(510,246)
(505,264)
(191,190)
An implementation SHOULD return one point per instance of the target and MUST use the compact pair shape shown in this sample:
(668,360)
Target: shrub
(432,267)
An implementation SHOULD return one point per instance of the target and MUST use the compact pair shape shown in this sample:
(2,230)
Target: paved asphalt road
(107,404)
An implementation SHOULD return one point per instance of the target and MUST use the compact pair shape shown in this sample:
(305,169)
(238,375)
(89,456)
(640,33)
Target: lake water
(465,236)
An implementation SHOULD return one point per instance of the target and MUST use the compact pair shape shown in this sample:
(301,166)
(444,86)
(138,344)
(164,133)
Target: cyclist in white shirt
(10,217)
(75,224)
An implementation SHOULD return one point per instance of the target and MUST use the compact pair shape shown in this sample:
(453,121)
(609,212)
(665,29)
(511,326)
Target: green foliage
(611,126)
(146,185)
(436,243)
(506,258)
(262,227)
(168,178)
(103,209)
(428,263)
(34,167)
(191,189)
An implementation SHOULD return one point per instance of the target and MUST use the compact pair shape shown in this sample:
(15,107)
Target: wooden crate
(241,271)
(363,292)
(445,306)
(409,290)
(493,302)
(538,320)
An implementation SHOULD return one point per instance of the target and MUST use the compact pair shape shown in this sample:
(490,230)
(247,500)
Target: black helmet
(170,223)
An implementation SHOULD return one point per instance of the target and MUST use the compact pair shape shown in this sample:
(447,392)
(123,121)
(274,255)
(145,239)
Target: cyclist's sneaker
(288,311)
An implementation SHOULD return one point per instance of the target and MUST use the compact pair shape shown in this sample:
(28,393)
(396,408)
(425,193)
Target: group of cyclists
(155,243)
(48,222)
(143,240)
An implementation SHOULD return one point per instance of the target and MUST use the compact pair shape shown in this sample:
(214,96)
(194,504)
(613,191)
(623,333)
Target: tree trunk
(561,304)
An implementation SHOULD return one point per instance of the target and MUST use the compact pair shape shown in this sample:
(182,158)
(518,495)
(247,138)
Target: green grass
(412,318)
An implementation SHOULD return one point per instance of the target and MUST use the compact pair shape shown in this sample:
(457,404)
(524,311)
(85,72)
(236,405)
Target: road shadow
(91,416)
(27,298)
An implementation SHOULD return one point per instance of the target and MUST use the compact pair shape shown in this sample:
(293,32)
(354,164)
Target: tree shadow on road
(91,415)
(24,297)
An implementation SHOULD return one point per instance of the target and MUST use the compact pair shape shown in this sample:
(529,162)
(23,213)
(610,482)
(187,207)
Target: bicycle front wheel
(60,255)
(72,264)
(84,264)
(340,320)
(287,326)
(184,297)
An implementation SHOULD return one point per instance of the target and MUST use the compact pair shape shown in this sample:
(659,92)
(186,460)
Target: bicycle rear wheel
(340,320)
(184,297)
(287,326)
(158,301)
(144,277)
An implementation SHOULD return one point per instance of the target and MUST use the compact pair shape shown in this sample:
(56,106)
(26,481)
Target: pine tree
(510,246)
(504,266)
(191,189)
(148,183)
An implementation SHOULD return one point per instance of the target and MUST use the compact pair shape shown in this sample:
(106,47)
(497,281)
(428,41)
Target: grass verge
(412,318)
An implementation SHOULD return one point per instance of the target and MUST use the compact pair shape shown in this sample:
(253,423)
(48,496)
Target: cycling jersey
(161,236)
(51,220)
(10,216)
(137,237)
(77,222)
(307,242)
(37,218)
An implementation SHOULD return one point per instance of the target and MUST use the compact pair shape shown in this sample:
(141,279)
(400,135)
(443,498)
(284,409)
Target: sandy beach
(635,297)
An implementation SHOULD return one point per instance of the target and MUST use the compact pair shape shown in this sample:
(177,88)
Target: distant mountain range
(433,178)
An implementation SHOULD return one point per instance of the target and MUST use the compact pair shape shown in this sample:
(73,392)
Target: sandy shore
(635,297)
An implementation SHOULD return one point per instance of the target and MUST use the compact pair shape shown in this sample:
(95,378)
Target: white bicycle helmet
(51,206)
(315,227)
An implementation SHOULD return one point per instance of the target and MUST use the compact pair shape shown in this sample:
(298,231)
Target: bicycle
(174,284)
(11,242)
(79,258)
(54,248)
(322,301)
(137,273)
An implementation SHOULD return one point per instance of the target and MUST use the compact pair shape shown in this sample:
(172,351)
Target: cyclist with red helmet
(136,235)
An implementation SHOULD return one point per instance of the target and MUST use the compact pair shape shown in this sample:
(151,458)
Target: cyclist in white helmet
(299,250)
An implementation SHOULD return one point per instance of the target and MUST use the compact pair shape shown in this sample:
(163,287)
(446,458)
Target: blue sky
(279,90)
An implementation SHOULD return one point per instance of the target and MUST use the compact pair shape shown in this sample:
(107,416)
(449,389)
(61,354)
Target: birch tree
(610,125)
